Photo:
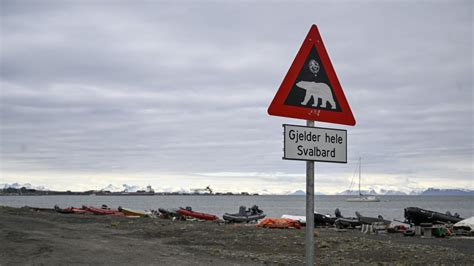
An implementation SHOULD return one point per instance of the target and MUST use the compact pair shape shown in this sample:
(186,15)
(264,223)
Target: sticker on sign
(315,144)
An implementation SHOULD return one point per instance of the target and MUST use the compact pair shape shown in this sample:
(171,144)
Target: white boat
(363,198)
(301,219)
(467,224)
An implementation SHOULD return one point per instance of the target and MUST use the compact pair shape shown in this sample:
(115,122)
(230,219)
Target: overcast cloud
(175,94)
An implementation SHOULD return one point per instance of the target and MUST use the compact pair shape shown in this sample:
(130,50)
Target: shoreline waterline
(390,207)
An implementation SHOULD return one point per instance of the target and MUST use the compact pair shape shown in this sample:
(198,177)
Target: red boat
(78,210)
(70,210)
(104,211)
(198,215)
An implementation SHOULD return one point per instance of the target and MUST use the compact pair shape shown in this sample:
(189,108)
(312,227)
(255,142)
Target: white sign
(315,144)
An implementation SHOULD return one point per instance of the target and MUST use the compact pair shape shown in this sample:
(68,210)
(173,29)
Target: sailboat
(363,198)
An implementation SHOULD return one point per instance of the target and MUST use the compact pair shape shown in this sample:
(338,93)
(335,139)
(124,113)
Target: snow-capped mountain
(124,188)
(426,192)
(111,188)
(302,192)
(127,188)
(26,185)
(392,192)
(354,192)
(445,192)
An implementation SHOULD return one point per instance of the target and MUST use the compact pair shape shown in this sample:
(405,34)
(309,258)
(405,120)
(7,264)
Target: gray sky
(175,94)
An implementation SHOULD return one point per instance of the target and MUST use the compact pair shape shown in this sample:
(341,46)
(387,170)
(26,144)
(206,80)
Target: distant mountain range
(301,193)
(427,192)
(442,192)
(26,185)
(124,188)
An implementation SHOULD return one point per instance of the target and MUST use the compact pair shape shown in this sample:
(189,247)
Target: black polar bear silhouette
(317,90)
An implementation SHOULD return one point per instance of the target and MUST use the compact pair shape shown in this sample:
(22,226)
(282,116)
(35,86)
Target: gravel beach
(44,237)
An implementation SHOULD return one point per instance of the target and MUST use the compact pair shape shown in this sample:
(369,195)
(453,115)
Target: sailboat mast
(359,174)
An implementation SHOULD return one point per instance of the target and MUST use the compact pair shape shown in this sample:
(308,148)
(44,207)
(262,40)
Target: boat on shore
(244,215)
(345,222)
(319,219)
(70,210)
(170,214)
(130,212)
(465,227)
(188,212)
(323,219)
(301,219)
(371,220)
(103,211)
(415,215)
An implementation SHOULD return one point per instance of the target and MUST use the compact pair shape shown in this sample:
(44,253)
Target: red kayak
(70,210)
(78,210)
(198,215)
(104,211)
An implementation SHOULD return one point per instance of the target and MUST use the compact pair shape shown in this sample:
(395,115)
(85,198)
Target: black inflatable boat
(417,216)
(370,220)
(323,220)
(244,215)
(345,222)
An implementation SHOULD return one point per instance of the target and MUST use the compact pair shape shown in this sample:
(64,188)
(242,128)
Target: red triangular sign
(311,90)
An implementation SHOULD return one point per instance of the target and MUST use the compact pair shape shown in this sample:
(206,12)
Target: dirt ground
(44,237)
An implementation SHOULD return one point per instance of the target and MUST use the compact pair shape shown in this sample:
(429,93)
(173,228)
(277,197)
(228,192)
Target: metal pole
(310,208)
(360,164)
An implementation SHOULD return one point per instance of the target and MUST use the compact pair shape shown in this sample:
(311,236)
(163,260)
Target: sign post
(310,250)
(311,91)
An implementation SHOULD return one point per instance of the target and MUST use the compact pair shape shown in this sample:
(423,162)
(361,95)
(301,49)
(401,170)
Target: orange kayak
(129,212)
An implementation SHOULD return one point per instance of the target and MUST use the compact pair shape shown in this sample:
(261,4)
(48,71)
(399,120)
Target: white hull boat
(362,198)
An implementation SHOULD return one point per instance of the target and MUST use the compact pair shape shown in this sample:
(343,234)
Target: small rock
(323,244)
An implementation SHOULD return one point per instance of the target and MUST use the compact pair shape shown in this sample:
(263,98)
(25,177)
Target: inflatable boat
(244,215)
(345,222)
(417,216)
(323,219)
(371,220)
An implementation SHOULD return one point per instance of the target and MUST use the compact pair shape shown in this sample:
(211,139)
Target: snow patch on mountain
(111,188)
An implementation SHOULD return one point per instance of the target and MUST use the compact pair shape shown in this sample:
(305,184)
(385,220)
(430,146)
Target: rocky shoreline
(43,237)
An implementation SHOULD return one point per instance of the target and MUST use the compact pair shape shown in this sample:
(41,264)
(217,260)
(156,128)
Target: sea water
(390,207)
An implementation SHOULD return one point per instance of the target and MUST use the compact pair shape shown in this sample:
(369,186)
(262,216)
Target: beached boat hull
(299,218)
(236,218)
(244,215)
(465,227)
(99,211)
(129,212)
(345,222)
(417,216)
(323,220)
(371,220)
(467,224)
(70,210)
(198,215)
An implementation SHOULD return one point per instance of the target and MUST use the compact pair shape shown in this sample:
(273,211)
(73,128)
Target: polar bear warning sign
(310,89)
